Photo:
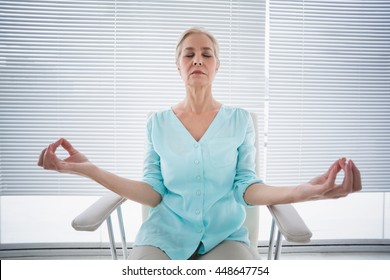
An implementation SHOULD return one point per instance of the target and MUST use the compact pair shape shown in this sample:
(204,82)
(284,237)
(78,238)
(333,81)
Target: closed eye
(204,55)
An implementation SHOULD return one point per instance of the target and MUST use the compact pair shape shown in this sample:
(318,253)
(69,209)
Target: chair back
(252,213)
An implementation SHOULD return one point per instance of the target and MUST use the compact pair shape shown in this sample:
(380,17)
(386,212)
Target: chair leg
(111,237)
(271,240)
(122,231)
(278,245)
(271,245)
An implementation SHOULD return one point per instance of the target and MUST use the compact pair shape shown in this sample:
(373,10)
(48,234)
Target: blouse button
(198,177)
(196,145)
(196,161)
(198,193)
(197,212)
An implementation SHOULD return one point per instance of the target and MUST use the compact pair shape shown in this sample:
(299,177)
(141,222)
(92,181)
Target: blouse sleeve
(246,164)
(152,171)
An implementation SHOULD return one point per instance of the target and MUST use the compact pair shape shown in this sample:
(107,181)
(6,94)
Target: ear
(178,68)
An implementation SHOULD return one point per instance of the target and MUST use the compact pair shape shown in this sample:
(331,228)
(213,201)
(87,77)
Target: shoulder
(157,119)
(236,113)
(154,116)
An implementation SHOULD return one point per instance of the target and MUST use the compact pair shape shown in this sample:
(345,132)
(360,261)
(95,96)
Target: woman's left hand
(324,186)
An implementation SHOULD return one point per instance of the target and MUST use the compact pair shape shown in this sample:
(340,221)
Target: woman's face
(197,63)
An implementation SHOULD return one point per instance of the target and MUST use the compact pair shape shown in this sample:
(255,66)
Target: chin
(198,84)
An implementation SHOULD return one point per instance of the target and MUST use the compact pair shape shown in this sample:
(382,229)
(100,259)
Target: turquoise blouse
(202,183)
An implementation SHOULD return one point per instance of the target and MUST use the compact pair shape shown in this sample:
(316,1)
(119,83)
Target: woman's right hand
(76,162)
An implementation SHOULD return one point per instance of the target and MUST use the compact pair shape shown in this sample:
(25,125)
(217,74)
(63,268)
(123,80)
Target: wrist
(87,169)
(300,193)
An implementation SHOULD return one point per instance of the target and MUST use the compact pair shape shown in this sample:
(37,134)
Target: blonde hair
(197,30)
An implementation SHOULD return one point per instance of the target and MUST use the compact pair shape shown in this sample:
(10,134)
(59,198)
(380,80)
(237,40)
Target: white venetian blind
(91,70)
(329,89)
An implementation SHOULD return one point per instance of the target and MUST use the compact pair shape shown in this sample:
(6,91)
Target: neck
(199,100)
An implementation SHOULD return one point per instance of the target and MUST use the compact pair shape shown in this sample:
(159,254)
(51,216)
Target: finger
(50,159)
(41,156)
(332,174)
(334,169)
(68,147)
(357,181)
(335,164)
(348,178)
(53,146)
(342,162)
(47,158)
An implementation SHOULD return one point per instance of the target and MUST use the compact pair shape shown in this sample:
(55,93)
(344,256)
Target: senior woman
(199,169)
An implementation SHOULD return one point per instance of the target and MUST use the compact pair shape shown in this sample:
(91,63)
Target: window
(90,71)
(316,73)
(328,93)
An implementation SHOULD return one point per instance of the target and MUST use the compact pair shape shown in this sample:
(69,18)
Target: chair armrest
(97,213)
(290,224)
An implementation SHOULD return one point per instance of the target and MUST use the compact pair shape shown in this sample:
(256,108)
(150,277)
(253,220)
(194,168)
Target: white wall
(48,219)
(358,216)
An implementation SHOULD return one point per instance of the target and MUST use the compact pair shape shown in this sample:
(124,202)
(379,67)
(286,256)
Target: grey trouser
(226,250)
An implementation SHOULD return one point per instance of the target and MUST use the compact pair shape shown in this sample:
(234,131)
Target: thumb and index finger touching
(334,169)
(65,144)
(351,176)
(48,154)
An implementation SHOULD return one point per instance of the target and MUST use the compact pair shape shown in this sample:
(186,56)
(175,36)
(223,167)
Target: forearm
(77,163)
(138,191)
(261,194)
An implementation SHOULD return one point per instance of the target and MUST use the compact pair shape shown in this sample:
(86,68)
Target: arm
(77,163)
(321,187)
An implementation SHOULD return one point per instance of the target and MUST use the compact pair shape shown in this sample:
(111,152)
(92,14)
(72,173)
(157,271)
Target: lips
(197,72)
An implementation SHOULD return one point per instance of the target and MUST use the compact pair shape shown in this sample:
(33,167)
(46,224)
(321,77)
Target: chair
(286,221)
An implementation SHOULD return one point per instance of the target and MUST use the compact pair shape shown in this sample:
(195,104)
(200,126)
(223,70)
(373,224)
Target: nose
(197,61)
